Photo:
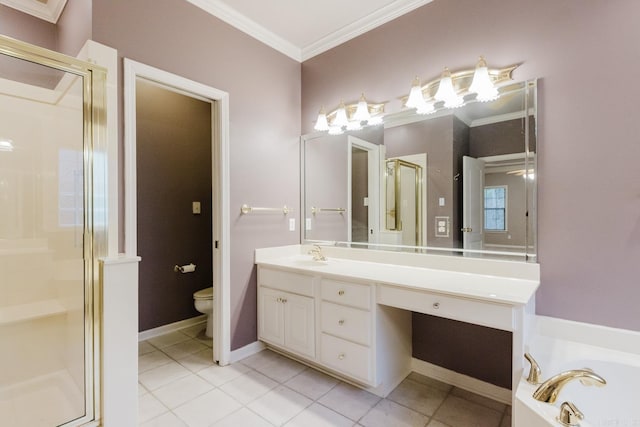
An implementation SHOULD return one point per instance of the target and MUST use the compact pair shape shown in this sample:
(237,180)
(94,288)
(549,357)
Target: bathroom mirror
(459,181)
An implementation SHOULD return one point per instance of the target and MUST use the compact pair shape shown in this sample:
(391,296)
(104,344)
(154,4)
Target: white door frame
(220,190)
(373,156)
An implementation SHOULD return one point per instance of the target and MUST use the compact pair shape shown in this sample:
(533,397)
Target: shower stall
(53,224)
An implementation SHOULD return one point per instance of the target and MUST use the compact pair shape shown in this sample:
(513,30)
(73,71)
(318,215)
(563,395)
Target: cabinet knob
(340,293)
(436,305)
(341,356)
(341,322)
(284,300)
(279,299)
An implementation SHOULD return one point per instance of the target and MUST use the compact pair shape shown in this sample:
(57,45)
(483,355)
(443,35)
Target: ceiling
(300,29)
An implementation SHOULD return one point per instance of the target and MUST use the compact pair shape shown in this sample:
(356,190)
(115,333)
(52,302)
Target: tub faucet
(317,253)
(534,372)
(549,390)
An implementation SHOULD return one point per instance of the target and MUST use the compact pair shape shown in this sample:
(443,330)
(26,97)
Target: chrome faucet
(317,253)
(549,390)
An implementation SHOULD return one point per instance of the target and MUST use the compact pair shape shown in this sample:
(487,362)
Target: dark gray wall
(173,142)
(484,353)
(461,143)
(501,138)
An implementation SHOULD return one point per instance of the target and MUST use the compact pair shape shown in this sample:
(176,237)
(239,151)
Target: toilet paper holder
(189,268)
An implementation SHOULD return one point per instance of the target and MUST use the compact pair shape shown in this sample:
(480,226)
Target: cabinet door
(270,316)
(299,326)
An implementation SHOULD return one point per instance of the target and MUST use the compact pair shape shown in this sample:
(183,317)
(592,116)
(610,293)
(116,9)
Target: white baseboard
(171,327)
(246,351)
(462,381)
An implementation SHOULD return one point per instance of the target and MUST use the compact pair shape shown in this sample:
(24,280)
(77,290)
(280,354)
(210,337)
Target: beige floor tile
(349,401)
(317,415)
(219,375)
(152,360)
(162,375)
(481,400)
(463,413)
(181,391)
(194,330)
(184,349)
(436,423)
(258,360)
(418,396)
(248,386)
(167,420)
(207,409)
(198,361)
(279,405)
(387,413)
(281,369)
(419,378)
(149,407)
(313,384)
(243,418)
(166,340)
(144,347)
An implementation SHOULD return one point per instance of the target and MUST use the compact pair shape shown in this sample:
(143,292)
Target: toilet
(203,300)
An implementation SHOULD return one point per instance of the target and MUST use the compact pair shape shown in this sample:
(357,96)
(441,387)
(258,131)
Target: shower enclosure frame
(95,222)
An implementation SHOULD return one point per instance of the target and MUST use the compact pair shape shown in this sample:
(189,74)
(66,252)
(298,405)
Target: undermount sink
(308,261)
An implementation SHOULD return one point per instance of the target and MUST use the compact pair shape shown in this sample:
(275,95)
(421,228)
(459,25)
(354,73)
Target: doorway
(214,105)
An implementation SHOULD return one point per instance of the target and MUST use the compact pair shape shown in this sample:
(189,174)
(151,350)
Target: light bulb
(482,84)
(362,111)
(321,122)
(446,92)
(416,98)
(341,119)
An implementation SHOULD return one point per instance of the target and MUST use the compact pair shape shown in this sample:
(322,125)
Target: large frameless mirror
(459,181)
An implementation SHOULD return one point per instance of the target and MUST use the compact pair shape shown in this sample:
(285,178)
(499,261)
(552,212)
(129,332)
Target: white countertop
(498,288)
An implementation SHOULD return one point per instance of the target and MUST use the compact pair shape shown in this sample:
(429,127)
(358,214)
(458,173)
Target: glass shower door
(45,247)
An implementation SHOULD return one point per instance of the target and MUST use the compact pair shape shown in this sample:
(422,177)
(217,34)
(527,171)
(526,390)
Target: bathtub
(617,360)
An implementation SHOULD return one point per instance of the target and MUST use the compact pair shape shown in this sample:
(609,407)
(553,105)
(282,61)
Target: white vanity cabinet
(286,311)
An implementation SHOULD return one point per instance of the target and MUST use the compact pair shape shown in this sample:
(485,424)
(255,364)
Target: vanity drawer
(346,322)
(354,360)
(286,281)
(346,293)
(497,316)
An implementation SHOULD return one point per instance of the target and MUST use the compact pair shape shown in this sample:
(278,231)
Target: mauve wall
(74,26)
(588,227)
(264,89)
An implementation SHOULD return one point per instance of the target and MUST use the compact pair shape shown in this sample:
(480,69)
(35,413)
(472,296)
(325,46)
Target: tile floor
(180,386)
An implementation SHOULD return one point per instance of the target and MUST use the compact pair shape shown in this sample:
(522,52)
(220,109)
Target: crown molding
(361,26)
(49,11)
(234,18)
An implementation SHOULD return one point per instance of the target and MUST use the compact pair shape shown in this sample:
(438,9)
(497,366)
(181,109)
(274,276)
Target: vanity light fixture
(352,116)
(6,145)
(453,90)
(482,84)
(446,92)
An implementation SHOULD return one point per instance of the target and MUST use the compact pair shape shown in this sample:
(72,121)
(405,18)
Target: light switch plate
(292,224)
(307,224)
(442,226)
(195,208)
(441,201)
